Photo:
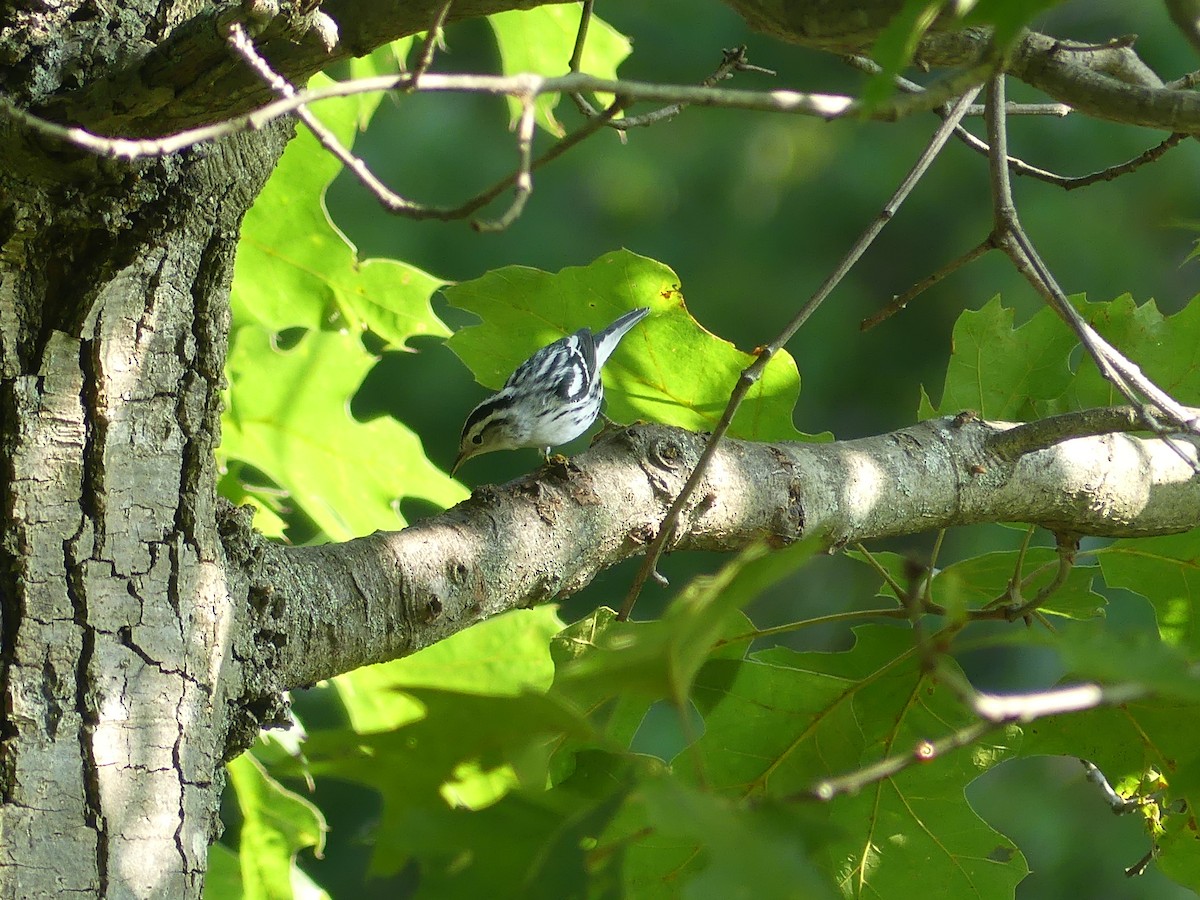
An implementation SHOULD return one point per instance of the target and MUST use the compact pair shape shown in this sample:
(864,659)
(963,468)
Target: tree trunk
(117,670)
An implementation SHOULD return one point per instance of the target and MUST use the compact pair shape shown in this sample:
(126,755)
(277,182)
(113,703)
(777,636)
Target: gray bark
(547,535)
(119,660)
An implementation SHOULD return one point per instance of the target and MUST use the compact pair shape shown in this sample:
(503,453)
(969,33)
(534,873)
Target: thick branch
(1108,83)
(549,533)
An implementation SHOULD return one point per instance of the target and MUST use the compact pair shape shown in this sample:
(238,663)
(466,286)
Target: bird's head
(490,426)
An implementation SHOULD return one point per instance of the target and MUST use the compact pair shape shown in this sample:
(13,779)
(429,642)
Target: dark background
(752,211)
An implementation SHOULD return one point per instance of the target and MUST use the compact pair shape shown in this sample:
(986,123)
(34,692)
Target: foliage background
(752,211)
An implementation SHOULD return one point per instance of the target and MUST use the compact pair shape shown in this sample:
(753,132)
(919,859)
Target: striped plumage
(551,398)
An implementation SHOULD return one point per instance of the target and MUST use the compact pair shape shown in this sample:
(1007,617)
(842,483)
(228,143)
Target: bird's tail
(607,339)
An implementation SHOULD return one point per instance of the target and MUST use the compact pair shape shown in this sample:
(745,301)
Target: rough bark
(118,664)
(548,534)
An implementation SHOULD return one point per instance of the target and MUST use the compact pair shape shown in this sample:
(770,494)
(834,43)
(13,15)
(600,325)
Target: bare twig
(752,373)
(923,752)
(1074,182)
(994,711)
(882,572)
(1067,546)
(1118,804)
(889,612)
(1185,82)
(395,203)
(1019,166)
(523,179)
(425,60)
(585,19)
(824,106)
(901,301)
(731,61)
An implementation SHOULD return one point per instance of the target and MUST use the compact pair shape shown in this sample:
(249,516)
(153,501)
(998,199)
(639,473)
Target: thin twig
(880,570)
(1184,83)
(933,561)
(889,612)
(824,106)
(523,179)
(1118,804)
(585,19)
(388,198)
(994,711)
(889,766)
(1067,545)
(1017,580)
(901,301)
(425,60)
(752,373)
(1074,182)
(731,61)
(1019,166)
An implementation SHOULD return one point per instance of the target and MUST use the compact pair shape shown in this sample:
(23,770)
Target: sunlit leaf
(998,370)
(501,656)
(276,825)
(667,369)
(541,40)
(296,269)
(1166,348)
(288,415)
(1166,571)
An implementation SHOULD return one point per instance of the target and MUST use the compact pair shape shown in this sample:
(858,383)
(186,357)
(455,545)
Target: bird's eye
(477,439)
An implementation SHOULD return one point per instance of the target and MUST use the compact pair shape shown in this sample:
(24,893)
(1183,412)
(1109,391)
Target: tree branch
(336,607)
(1109,83)
(754,371)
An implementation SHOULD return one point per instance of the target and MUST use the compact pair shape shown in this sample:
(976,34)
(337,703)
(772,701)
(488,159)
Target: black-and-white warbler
(551,398)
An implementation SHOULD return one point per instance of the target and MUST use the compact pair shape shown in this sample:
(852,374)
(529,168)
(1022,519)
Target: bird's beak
(462,457)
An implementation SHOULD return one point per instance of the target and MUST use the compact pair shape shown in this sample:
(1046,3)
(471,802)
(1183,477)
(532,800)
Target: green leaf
(466,751)
(386,59)
(894,47)
(1166,571)
(1145,742)
(668,369)
(268,506)
(778,724)
(1178,857)
(223,877)
(660,659)
(502,656)
(1166,348)
(276,825)
(288,415)
(998,371)
(529,845)
(296,269)
(1137,658)
(975,582)
(733,850)
(541,41)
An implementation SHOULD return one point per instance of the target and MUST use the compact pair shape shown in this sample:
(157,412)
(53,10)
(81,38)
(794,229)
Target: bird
(548,400)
